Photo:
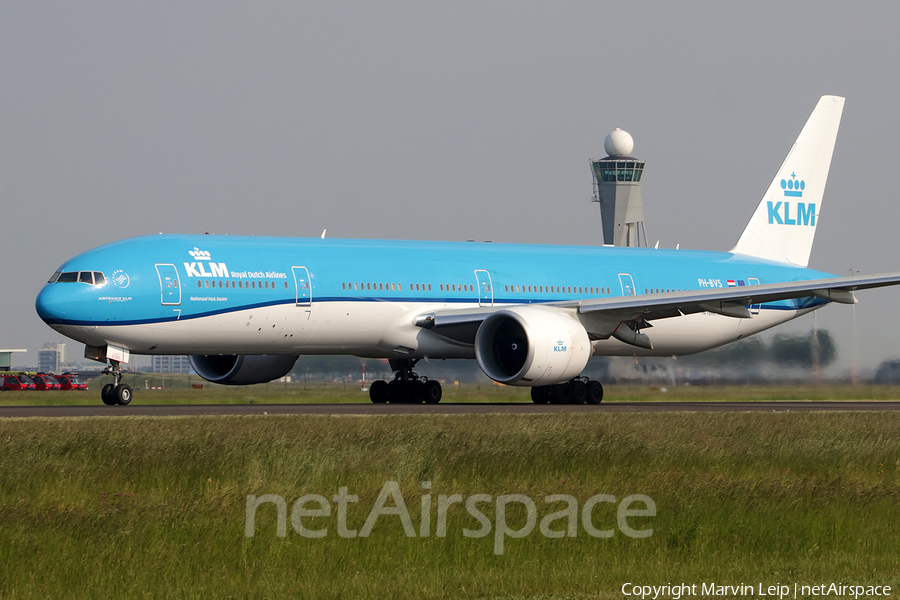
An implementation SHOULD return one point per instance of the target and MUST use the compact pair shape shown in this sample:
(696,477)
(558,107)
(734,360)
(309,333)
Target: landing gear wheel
(122,394)
(416,390)
(106,394)
(541,394)
(378,392)
(594,392)
(579,391)
(395,391)
(562,393)
(433,391)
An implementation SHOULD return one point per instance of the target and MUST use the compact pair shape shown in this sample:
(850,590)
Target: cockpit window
(88,277)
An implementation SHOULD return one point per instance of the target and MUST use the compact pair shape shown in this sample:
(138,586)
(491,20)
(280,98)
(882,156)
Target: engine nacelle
(241,369)
(532,345)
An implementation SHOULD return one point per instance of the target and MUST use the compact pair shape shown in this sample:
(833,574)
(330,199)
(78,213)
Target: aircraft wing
(604,315)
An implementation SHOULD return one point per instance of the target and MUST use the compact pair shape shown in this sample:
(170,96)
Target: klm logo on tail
(792,187)
(780,212)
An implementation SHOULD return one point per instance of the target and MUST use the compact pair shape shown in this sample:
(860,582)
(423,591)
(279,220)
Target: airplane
(245,308)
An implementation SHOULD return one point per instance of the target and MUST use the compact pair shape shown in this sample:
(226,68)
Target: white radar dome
(619,143)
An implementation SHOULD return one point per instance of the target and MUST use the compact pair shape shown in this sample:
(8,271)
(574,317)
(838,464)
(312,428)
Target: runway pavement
(169,410)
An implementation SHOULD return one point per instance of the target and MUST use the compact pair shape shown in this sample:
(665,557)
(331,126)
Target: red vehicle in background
(70,381)
(10,383)
(44,382)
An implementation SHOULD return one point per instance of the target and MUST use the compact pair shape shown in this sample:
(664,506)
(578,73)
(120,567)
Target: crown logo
(199,254)
(792,187)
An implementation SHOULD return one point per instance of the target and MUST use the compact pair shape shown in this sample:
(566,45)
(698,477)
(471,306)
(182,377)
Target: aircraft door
(485,288)
(627,283)
(169,285)
(302,285)
(754,308)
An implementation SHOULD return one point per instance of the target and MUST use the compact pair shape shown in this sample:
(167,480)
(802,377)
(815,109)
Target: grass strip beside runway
(157,506)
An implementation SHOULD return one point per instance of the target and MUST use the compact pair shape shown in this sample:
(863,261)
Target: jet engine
(241,369)
(532,345)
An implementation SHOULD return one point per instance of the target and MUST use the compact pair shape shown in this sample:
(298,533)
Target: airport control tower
(617,187)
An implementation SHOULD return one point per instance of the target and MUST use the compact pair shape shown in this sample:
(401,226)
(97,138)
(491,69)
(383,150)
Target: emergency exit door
(169,285)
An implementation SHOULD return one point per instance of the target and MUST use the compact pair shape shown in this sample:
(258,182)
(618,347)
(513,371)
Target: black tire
(395,392)
(123,394)
(107,394)
(541,394)
(433,391)
(416,391)
(579,391)
(594,392)
(378,392)
(562,393)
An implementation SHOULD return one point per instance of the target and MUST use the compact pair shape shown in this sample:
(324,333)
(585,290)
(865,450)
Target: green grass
(155,507)
(178,390)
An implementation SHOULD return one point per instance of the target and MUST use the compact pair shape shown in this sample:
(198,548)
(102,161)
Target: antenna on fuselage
(323,233)
(617,187)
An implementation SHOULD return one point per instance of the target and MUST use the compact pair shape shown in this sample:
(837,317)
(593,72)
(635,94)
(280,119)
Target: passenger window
(199,284)
(206,283)
(285,285)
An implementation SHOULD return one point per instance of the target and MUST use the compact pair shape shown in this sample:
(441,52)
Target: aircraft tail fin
(784,224)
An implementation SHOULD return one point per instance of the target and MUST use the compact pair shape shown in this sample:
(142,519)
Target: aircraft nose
(52,304)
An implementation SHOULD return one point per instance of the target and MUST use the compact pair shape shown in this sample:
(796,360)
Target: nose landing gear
(115,393)
(406,387)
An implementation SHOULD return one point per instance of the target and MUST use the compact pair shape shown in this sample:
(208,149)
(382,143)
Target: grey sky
(452,121)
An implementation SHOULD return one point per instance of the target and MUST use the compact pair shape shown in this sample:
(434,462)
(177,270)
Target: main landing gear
(580,390)
(115,393)
(406,387)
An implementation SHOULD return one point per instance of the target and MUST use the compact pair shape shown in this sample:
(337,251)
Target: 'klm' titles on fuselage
(199,270)
(805,213)
(221,270)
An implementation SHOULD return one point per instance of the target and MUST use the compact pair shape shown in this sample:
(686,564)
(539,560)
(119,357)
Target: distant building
(50,357)
(6,358)
(170,364)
